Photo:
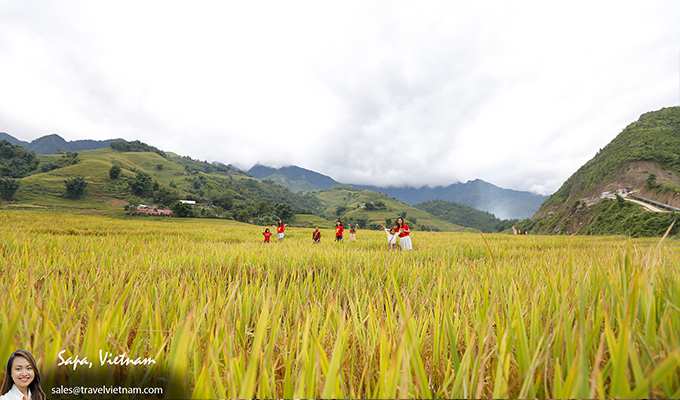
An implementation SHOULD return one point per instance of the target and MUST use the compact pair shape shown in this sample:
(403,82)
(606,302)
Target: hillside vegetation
(654,137)
(644,157)
(478,194)
(150,176)
(465,216)
(375,209)
(225,191)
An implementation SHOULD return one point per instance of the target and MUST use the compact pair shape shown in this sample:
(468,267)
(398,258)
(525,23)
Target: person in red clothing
(339,229)
(281,230)
(267,234)
(404,235)
(316,235)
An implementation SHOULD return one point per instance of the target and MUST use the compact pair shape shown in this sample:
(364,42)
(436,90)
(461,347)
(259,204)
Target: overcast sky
(517,93)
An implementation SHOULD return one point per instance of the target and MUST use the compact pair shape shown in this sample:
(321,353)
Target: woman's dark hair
(36,391)
(280,222)
(266,229)
(400,223)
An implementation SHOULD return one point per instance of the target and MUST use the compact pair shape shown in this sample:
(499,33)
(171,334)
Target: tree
(619,200)
(142,184)
(263,208)
(651,182)
(198,182)
(340,210)
(165,197)
(182,210)
(48,167)
(114,172)
(122,145)
(284,211)
(224,201)
(68,158)
(403,214)
(8,187)
(75,187)
(15,161)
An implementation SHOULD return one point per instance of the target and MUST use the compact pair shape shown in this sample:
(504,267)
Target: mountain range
(478,194)
(52,144)
(631,187)
(126,174)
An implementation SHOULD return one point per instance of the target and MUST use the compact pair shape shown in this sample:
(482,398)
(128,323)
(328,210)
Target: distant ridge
(478,194)
(51,144)
(503,203)
(295,178)
(481,195)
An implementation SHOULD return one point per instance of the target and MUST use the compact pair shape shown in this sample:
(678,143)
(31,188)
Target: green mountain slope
(478,194)
(294,178)
(644,158)
(224,191)
(465,216)
(374,208)
(220,190)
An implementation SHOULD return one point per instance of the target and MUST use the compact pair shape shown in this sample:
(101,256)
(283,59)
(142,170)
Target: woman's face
(400,221)
(22,372)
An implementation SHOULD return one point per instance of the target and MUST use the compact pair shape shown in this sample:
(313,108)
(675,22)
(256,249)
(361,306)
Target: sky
(517,93)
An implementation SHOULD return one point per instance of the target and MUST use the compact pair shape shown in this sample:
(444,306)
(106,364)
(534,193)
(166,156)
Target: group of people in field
(398,235)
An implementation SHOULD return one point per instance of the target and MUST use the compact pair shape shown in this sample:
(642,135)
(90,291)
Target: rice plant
(463,315)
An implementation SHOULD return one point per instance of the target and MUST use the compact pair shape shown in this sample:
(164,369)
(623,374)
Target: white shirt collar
(15,393)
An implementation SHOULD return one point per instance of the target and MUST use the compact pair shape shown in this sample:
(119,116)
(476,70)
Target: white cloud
(519,94)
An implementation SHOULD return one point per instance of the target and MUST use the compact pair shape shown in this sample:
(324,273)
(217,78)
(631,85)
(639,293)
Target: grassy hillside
(220,190)
(608,217)
(465,216)
(644,157)
(375,208)
(239,196)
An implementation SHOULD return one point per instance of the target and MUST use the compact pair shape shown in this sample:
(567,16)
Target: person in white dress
(22,378)
(404,235)
(392,237)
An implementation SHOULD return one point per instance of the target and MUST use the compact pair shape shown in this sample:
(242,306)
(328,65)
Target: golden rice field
(460,316)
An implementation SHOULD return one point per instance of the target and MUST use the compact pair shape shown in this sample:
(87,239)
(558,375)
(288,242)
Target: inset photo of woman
(22,378)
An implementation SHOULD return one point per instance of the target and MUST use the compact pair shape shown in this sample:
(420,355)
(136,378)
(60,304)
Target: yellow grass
(460,316)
